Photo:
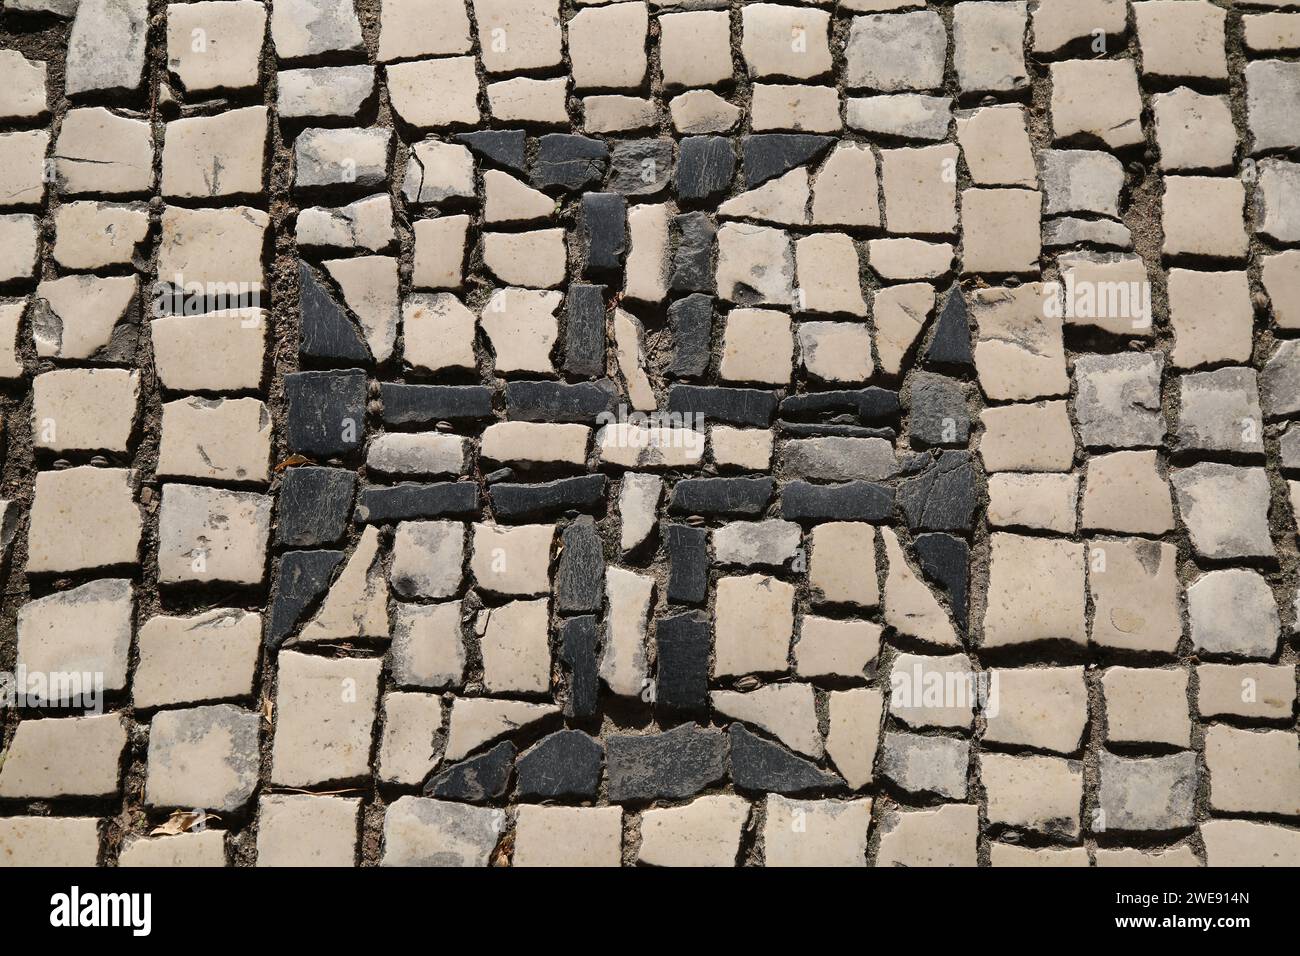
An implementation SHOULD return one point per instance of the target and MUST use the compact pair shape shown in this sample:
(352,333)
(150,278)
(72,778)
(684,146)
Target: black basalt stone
(328,332)
(668,766)
(705,167)
(302,577)
(688,563)
(569,161)
(937,411)
(411,500)
(477,779)
(851,501)
(693,257)
(815,429)
(641,167)
(950,344)
(603,225)
(735,406)
(682,668)
(579,637)
(313,506)
(580,577)
(582,402)
(770,154)
(721,496)
(691,320)
(584,337)
(514,502)
(945,560)
(565,764)
(326,414)
(504,147)
(766,767)
(427,404)
(873,405)
(943,496)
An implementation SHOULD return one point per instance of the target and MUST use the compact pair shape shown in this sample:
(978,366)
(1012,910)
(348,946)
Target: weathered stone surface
(477,779)
(765,767)
(1147,793)
(204,757)
(672,765)
(563,765)
(423,832)
(926,764)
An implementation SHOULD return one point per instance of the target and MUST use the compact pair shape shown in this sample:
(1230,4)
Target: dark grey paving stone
(602,224)
(563,765)
(705,167)
(313,506)
(326,412)
(516,502)
(762,766)
(691,321)
(501,147)
(943,497)
(668,766)
(641,167)
(688,563)
(768,155)
(478,779)
(693,257)
(850,501)
(584,337)
(734,406)
(579,584)
(303,576)
(744,497)
(559,401)
(579,639)
(682,663)
(327,330)
(950,344)
(428,404)
(945,560)
(411,500)
(569,161)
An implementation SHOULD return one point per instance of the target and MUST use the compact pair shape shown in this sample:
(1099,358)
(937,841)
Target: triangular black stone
(771,154)
(944,560)
(327,331)
(951,342)
(763,766)
(477,779)
(505,147)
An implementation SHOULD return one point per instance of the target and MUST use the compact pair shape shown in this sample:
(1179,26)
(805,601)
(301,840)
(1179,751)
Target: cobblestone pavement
(516,432)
